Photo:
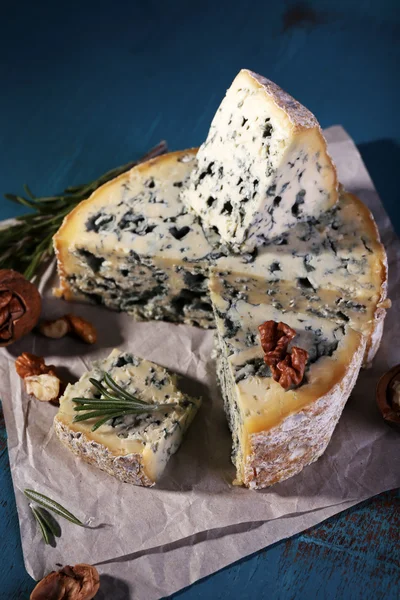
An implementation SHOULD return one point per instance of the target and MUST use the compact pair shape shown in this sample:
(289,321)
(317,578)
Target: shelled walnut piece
(40,379)
(80,582)
(286,368)
(20,306)
(70,323)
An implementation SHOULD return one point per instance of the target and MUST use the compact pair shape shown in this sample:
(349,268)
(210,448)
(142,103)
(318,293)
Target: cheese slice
(134,448)
(133,246)
(264,166)
(277,432)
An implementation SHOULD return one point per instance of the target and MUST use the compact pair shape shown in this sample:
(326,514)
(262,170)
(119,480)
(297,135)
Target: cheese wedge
(134,247)
(133,448)
(277,432)
(264,166)
(333,267)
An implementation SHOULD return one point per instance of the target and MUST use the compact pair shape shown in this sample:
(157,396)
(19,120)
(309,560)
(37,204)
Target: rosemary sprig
(113,402)
(52,505)
(27,243)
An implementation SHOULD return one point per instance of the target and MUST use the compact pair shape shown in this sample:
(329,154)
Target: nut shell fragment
(80,582)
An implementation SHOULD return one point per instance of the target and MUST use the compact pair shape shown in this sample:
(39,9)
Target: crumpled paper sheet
(149,543)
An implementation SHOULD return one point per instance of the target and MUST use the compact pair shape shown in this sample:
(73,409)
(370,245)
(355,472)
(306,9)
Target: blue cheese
(333,267)
(134,247)
(263,167)
(132,448)
(277,432)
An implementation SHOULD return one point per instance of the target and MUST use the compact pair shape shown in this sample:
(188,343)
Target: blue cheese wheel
(264,166)
(133,448)
(277,432)
(133,246)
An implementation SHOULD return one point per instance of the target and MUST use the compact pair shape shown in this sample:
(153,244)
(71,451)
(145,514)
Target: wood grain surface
(86,86)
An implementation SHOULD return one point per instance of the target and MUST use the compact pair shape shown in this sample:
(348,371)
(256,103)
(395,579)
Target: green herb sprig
(26,244)
(48,526)
(52,505)
(114,402)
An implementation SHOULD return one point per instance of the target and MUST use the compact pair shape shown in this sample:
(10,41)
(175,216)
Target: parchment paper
(149,543)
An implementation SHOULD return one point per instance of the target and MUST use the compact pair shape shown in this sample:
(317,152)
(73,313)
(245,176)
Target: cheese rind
(133,448)
(263,167)
(277,432)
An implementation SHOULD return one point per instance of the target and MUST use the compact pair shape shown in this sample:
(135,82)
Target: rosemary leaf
(27,243)
(52,505)
(99,423)
(111,413)
(104,406)
(100,387)
(28,192)
(103,401)
(42,525)
(49,521)
(109,407)
(120,390)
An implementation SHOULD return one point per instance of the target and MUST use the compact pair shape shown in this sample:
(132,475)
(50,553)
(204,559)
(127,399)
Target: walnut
(20,306)
(70,323)
(289,372)
(387,397)
(82,328)
(29,364)
(275,338)
(80,582)
(55,329)
(286,368)
(45,388)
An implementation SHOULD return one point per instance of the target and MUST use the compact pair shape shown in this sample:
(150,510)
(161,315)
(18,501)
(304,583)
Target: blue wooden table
(88,86)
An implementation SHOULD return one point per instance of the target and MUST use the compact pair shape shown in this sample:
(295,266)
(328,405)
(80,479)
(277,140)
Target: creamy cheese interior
(263,167)
(133,247)
(253,401)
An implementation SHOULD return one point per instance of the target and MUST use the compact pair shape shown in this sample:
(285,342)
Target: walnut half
(80,582)
(70,323)
(40,379)
(286,368)
(289,372)
(275,338)
(20,306)
(29,364)
(55,329)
